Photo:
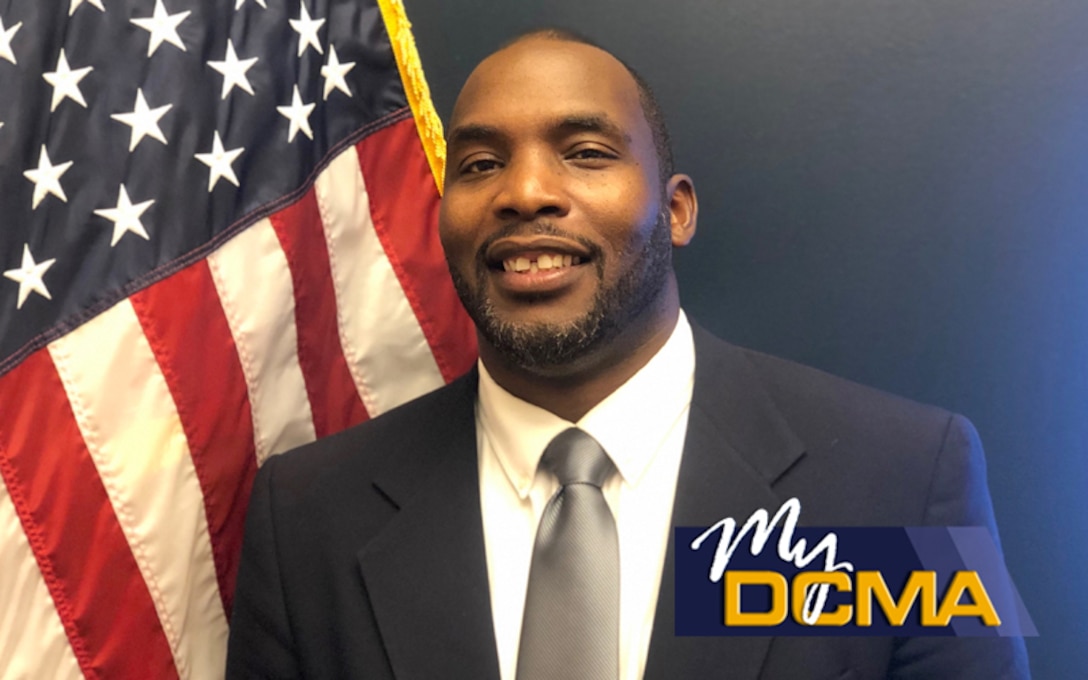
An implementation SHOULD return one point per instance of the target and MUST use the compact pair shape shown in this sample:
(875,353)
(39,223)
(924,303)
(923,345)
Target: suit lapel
(426,573)
(737,445)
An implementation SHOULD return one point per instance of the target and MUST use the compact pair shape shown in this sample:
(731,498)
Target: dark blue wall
(895,191)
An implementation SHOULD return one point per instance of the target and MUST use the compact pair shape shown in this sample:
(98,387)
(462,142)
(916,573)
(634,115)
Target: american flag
(217,243)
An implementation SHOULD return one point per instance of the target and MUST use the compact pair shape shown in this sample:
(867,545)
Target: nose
(532,187)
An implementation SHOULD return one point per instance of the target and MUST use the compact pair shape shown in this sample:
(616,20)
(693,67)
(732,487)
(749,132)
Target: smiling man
(517,523)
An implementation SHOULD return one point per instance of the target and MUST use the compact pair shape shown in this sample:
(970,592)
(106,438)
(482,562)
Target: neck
(571,391)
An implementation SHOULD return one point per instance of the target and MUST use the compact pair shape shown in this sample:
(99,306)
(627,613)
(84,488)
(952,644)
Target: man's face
(553,219)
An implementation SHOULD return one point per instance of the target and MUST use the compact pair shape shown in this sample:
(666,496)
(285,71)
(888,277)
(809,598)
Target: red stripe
(187,329)
(334,398)
(96,585)
(404,207)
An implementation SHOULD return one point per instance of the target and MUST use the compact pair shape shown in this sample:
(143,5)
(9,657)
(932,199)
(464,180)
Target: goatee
(541,346)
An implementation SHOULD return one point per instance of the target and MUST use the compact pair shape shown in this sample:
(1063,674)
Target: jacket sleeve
(260,644)
(958,496)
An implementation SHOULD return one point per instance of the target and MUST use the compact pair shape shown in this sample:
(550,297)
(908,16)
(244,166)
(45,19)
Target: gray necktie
(570,627)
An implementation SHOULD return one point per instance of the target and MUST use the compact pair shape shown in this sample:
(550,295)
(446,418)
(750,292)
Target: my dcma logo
(898,581)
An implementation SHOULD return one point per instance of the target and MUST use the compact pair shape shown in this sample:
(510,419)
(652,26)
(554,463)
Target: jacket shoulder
(869,456)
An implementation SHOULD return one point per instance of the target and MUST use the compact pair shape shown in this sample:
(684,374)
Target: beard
(541,346)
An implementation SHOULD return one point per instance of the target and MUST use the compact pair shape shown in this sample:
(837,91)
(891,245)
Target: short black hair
(650,108)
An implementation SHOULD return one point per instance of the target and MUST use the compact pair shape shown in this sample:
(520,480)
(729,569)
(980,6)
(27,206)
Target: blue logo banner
(789,580)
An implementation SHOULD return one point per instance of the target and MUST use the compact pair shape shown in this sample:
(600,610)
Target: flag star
(46,178)
(143,120)
(125,217)
(65,82)
(6,34)
(234,70)
(238,4)
(29,277)
(76,3)
(299,115)
(219,161)
(307,31)
(333,72)
(163,27)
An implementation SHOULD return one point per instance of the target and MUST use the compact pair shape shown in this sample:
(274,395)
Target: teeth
(541,263)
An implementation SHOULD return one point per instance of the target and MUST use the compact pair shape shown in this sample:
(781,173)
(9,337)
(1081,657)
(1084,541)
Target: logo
(768,576)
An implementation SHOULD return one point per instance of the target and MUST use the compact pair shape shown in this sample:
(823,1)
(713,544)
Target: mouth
(538,264)
(535,253)
(533,262)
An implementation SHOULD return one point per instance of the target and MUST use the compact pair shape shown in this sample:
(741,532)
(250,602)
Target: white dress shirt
(642,427)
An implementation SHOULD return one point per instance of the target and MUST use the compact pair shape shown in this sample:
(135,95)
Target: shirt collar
(631,423)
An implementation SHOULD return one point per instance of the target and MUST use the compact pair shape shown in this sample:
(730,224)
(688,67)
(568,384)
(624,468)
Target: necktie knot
(575,457)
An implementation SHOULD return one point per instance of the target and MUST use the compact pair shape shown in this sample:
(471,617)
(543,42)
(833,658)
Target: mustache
(537,228)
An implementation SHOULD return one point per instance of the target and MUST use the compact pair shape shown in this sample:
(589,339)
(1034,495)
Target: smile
(542,262)
(535,254)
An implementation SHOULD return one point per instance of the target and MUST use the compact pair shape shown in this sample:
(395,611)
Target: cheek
(625,215)
(453,228)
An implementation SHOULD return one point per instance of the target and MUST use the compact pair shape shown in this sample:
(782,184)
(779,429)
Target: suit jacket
(364,552)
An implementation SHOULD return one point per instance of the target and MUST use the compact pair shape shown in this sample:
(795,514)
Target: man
(407,547)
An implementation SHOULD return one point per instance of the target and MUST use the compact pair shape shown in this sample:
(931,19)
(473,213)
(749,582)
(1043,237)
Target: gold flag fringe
(415,86)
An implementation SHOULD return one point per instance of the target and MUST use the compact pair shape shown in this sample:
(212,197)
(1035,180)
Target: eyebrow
(593,123)
(598,123)
(472,132)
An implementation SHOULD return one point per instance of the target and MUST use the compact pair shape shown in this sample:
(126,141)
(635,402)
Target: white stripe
(130,425)
(386,350)
(254,283)
(33,645)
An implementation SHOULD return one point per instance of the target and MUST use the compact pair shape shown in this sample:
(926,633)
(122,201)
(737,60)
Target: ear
(683,209)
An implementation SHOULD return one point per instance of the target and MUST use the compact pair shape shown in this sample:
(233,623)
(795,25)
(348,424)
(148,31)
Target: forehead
(540,79)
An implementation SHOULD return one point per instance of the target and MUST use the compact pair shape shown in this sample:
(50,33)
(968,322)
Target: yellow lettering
(980,605)
(734,580)
(870,583)
(815,579)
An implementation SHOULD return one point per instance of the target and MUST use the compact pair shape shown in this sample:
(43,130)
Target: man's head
(560,210)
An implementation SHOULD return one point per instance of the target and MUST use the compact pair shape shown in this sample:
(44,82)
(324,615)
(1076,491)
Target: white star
(219,161)
(6,34)
(29,277)
(234,70)
(333,72)
(299,115)
(238,4)
(163,28)
(125,217)
(143,120)
(76,3)
(307,31)
(65,82)
(46,178)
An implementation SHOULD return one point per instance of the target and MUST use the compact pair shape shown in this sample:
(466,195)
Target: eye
(591,153)
(478,165)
